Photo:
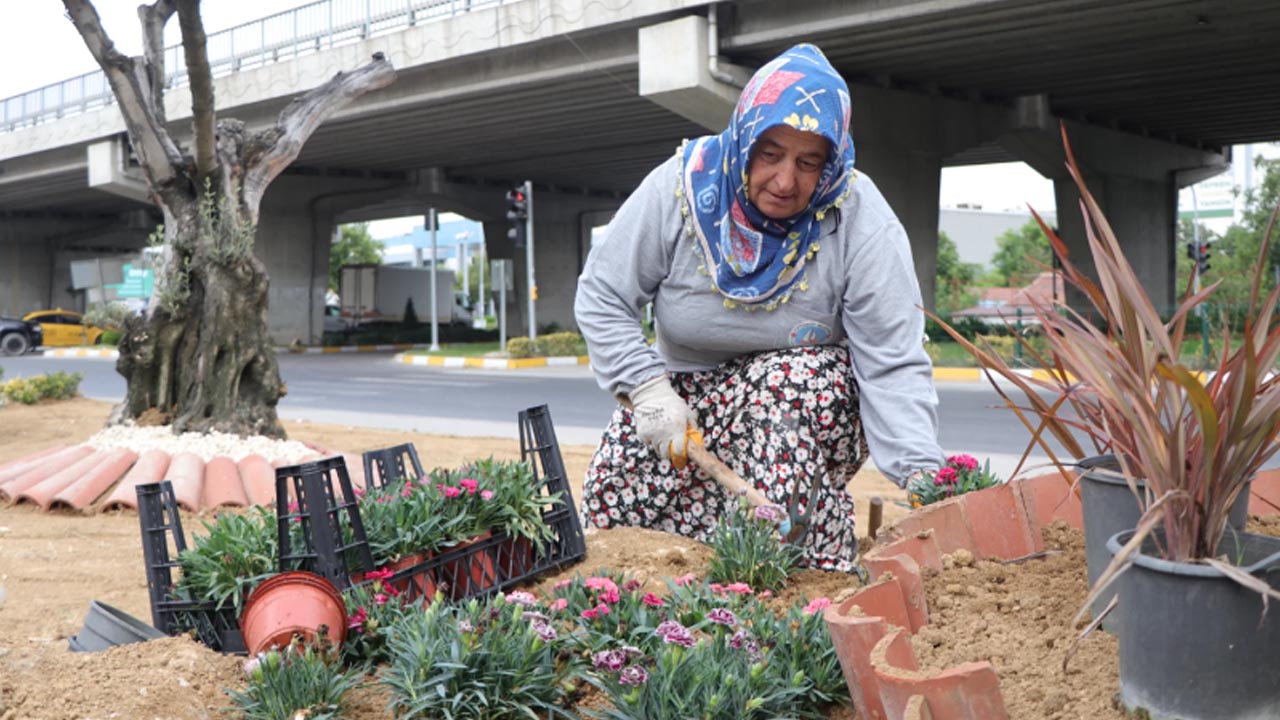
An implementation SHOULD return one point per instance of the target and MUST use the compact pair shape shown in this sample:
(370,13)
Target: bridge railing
(300,31)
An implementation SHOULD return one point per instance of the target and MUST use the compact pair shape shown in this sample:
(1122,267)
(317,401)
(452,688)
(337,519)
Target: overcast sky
(39,46)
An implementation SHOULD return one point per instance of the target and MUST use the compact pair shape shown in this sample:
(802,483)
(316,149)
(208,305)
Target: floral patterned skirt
(786,420)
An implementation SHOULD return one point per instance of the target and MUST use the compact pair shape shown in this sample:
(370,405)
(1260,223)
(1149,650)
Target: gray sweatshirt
(861,290)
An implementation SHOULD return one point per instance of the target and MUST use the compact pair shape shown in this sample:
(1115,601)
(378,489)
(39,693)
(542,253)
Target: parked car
(64,328)
(19,336)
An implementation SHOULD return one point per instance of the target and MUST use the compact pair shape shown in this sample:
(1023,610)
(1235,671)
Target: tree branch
(153,18)
(128,77)
(202,116)
(273,150)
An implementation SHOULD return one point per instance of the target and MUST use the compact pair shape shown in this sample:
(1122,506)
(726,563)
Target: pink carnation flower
(469,485)
(963,462)
(816,605)
(652,600)
(683,580)
(486,494)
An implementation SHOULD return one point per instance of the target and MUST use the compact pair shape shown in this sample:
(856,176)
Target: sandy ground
(52,565)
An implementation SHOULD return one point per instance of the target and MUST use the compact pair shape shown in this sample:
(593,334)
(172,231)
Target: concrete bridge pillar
(901,140)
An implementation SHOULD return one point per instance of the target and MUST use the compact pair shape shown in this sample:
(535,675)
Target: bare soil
(52,565)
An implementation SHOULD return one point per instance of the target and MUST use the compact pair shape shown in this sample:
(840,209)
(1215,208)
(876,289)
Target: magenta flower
(611,660)
(652,600)
(674,633)
(633,675)
(769,513)
(383,574)
(357,619)
(610,596)
(963,462)
(683,580)
(816,605)
(946,476)
(380,599)
(451,492)
(722,616)
(469,485)
(520,597)
(600,583)
(544,631)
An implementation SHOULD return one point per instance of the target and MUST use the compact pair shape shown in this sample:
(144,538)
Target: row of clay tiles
(79,477)
(870,629)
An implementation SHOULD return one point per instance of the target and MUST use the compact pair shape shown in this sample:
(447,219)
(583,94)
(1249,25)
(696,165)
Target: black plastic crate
(499,562)
(393,463)
(320,530)
(161,530)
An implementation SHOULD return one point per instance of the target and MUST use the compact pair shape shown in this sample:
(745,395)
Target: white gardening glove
(662,419)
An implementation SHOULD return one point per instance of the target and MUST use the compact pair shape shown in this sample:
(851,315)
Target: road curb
(490,363)
(83,353)
(944,374)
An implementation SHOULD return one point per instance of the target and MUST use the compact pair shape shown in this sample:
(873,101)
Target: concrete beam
(675,72)
(109,170)
(1135,181)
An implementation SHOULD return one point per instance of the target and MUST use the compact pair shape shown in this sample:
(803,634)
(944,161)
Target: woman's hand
(662,418)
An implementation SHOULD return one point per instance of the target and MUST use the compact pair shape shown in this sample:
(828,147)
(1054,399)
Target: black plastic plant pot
(1109,506)
(106,627)
(1194,644)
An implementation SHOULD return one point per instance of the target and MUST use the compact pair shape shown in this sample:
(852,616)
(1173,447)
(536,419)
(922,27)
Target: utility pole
(435,321)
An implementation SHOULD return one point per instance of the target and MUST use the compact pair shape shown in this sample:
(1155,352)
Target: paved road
(369,390)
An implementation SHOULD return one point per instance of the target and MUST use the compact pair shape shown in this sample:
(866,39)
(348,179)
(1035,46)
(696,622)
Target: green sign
(137,283)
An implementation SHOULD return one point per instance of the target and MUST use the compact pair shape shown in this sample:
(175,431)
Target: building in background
(457,240)
(974,230)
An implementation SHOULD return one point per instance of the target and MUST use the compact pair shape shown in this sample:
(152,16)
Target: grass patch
(460,350)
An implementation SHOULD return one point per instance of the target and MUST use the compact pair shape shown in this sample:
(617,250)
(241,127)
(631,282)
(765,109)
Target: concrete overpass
(584,97)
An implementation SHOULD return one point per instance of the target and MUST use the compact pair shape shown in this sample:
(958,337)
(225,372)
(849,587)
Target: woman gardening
(787,320)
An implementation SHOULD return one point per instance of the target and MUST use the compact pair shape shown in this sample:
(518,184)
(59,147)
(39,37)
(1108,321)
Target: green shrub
(522,347)
(296,682)
(110,337)
(562,344)
(54,386)
(110,314)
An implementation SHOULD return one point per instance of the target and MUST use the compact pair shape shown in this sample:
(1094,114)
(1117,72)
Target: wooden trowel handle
(725,475)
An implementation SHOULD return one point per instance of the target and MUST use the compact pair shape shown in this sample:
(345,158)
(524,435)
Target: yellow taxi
(63,328)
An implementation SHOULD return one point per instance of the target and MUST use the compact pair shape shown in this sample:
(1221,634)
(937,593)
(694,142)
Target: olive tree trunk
(200,358)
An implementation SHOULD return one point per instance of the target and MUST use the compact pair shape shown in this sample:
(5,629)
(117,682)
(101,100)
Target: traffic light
(517,215)
(1202,259)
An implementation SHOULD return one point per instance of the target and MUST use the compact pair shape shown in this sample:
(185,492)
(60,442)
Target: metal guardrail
(300,31)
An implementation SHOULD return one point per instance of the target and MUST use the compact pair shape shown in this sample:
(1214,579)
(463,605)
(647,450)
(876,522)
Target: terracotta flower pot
(293,603)
(471,574)
(419,584)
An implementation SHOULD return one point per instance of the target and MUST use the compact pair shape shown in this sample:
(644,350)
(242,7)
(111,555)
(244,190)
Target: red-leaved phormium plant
(1194,440)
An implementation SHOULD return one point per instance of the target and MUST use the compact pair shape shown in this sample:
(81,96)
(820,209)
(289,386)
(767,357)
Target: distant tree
(1020,255)
(1234,254)
(410,320)
(354,246)
(955,277)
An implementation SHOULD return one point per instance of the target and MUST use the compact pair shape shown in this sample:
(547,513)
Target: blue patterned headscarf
(750,257)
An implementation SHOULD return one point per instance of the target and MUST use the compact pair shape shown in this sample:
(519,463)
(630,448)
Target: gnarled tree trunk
(201,358)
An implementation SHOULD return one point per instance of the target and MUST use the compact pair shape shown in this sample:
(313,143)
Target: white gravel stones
(206,445)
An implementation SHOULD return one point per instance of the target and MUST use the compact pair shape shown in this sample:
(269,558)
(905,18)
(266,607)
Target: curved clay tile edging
(150,468)
(186,472)
(92,484)
(78,476)
(870,629)
(35,472)
(222,486)
(259,480)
